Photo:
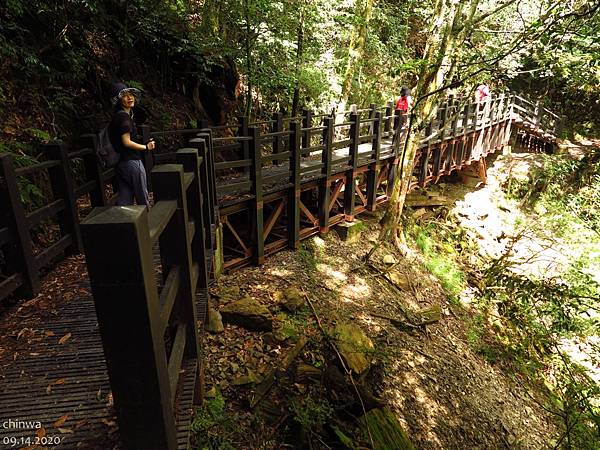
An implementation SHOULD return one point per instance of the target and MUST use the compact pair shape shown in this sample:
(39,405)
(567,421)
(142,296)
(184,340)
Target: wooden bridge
(229,196)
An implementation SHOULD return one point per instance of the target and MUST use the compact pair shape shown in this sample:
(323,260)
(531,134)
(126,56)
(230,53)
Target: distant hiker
(404,101)
(482,93)
(131,174)
(403,104)
(482,98)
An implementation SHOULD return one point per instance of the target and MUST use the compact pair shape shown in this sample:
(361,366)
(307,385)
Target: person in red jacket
(404,101)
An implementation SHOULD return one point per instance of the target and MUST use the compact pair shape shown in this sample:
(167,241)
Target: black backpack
(105,152)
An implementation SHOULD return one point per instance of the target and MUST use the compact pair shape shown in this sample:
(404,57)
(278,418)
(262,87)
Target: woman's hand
(151,145)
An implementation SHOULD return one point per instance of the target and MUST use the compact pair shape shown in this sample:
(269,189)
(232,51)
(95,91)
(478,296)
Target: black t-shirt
(120,124)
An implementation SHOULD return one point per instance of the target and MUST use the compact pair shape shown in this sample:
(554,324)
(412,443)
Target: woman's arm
(127,142)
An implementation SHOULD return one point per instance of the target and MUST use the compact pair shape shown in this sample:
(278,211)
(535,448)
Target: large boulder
(248,313)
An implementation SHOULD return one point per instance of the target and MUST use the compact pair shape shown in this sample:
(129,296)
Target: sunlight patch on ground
(279,272)
(357,291)
(334,275)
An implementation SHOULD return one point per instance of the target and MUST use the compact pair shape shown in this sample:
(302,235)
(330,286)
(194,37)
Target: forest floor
(444,391)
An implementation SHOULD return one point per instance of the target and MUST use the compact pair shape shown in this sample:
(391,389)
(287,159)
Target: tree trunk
(364,12)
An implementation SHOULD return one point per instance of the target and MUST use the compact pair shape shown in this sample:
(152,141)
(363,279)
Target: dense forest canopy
(221,58)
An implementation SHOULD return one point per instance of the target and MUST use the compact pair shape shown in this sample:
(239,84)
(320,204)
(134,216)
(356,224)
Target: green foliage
(213,427)
(564,185)
(312,414)
(440,255)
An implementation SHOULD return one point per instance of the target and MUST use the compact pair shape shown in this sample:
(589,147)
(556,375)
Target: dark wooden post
(294,197)
(193,160)
(93,171)
(389,110)
(276,127)
(464,136)
(128,311)
(257,189)
(306,123)
(326,173)
(373,171)
(212,180)
(176,243)
(243,132)
(442,116)
(349,188)
(18,253)
(454,143)
(207,202)
(148,156)
(62,187)
(372,112)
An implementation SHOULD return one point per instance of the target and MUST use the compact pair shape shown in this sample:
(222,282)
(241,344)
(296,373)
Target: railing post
(306,123)
(176,244)
(207,202)
(326,173)
(276,127)
(212,180)
(148,156)
(17,253)
(62,187)
(93,171)
(193,161)
(373,171)
(389,110)
(128,311)
(465,135)
(257,219)
(349,187)
(294,197)
(243,132)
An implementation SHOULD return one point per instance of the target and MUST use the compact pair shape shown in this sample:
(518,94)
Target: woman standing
(131,174)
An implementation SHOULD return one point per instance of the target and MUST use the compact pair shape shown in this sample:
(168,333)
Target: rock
(215,322)
(274,338)
(389,259)
(401,280)
(354,346)
(248,313)
(350,231)
(245,379)
(383,427)
(293,300)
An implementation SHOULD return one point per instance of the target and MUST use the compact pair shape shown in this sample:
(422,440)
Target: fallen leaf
(65,338)
(49,333)
(41,432)
(61,420)
(49,389)
(110,423)
(59,381)
(65,430)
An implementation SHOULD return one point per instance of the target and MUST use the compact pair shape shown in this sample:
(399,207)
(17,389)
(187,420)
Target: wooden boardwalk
(58,392)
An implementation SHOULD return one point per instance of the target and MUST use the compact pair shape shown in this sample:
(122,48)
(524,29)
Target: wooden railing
(149,376)
(260,152)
